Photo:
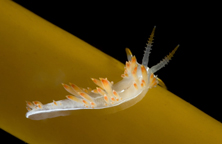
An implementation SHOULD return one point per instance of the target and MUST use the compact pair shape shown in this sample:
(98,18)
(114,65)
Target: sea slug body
(137,80)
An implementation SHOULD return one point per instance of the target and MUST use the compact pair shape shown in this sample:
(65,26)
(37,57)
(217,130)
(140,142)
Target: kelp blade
(36,57)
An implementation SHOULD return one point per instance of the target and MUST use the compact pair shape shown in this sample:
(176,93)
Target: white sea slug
(137,80)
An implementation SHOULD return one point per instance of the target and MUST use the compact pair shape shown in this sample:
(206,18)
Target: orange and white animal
(137,80)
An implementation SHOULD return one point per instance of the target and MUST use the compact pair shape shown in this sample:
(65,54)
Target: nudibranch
(137,80)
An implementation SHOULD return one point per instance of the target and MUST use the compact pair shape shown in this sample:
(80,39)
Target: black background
(192,74)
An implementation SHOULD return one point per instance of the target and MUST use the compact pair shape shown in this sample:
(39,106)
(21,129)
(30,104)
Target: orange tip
(55,103)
